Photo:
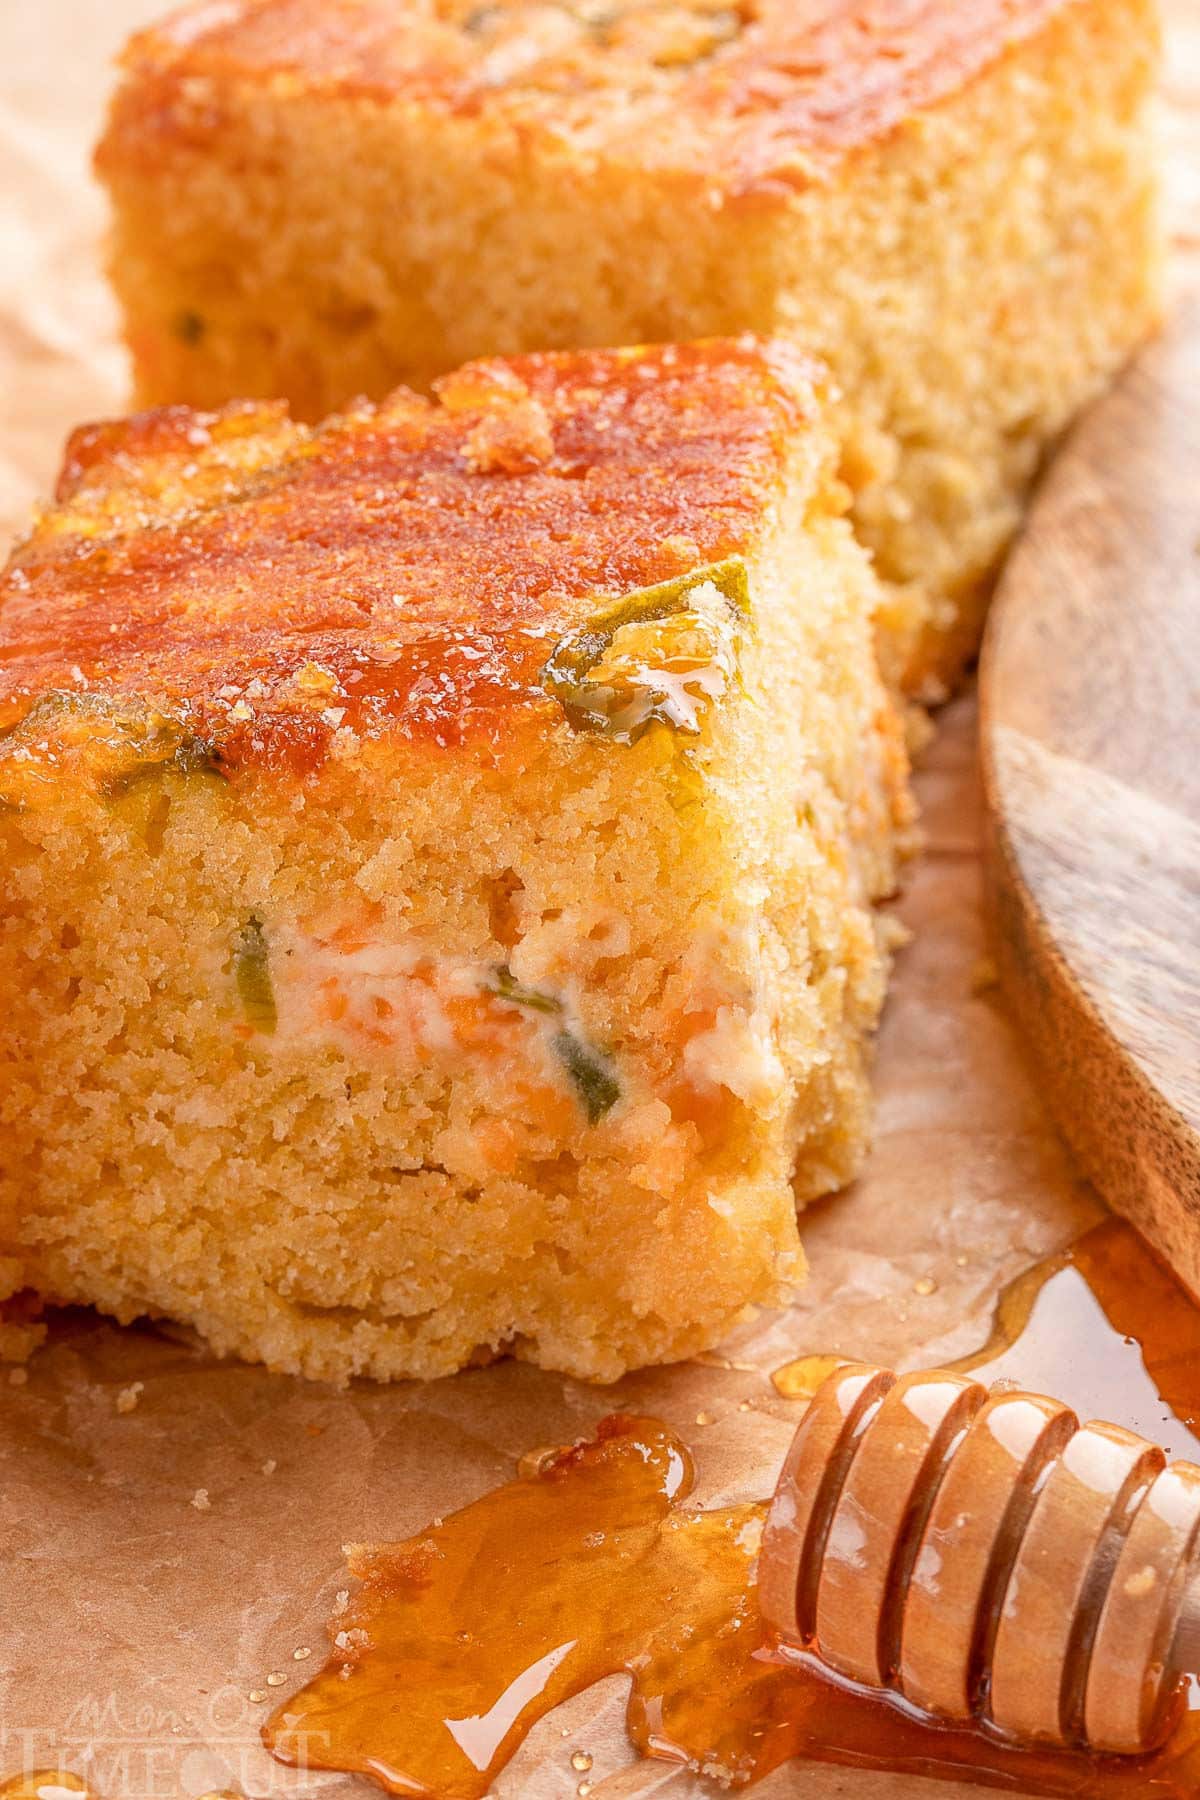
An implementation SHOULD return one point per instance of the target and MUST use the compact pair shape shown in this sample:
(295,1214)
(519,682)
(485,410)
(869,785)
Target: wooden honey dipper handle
(988,1558)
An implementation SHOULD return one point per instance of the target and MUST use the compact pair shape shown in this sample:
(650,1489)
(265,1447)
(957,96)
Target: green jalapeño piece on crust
(663,654)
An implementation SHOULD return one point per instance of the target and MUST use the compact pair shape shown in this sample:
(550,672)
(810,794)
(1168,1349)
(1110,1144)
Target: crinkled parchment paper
(167,1548)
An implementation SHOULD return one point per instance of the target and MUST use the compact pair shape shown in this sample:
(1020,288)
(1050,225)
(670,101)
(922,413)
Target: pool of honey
(45,1784)
(457,1641)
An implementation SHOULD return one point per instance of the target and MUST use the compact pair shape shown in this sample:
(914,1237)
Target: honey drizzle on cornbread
(258,587)
(456,1642)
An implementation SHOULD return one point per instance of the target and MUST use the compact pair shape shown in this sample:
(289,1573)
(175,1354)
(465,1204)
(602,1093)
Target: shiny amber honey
(45,1784)
(458,1640)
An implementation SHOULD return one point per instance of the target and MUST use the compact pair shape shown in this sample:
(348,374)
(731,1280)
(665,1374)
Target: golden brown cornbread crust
(952,204)
(372,1025)
(427,554)
(751,99)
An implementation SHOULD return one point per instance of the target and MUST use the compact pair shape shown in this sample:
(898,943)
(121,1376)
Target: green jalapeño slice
(591,1071)
(662,655)
(252,974)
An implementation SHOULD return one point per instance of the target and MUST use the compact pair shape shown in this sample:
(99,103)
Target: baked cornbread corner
(952,203)
(436,861)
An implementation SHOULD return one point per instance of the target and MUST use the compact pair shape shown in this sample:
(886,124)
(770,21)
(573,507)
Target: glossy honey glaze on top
(751,96)
(402,570)
(458,1640)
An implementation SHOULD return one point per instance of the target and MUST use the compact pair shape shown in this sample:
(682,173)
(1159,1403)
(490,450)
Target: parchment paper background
(158,1565)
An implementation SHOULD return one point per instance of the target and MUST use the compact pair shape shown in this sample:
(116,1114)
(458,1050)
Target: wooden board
(1090,695)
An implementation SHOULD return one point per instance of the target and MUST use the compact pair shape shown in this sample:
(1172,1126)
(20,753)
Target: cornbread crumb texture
(953,204)
(437,852)
(21,1326)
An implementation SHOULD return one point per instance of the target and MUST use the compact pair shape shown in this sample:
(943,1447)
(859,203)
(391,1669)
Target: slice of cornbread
(436,855)
(949,200)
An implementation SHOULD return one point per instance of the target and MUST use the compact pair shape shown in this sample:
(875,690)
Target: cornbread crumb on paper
(984,975)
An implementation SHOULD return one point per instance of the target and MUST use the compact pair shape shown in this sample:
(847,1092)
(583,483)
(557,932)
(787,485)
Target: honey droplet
(301,1654)
(276,1680)
(581,1762)
(584,1789)
(704,1418)
(800,1380)
(256,1696)
(925,1286)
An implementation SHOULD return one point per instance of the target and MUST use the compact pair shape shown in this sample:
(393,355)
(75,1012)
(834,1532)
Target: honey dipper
(987,1558)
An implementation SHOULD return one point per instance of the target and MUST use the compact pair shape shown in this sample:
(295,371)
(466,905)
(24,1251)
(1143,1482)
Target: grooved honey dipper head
(987,1557)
